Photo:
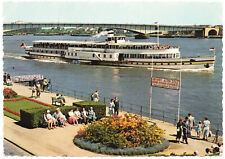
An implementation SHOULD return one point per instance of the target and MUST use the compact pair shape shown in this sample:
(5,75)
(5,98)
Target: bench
(55,101)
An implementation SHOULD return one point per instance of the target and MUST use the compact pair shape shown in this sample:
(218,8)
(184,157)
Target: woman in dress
(58,115)
(206,128)
(72,117)
(179,129)
(111,107)
(78,115)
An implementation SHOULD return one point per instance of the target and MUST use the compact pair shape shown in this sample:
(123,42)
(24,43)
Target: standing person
(8,76)
(199,129)
(34,81)
(33,88)
(92,96)
(117,105)
(84,115)
(191,122)
(5,78)
(185,130)
(179,129)
(206,128)
(38,89)
(96,96)
(45,83)
(49,85)
(111,107)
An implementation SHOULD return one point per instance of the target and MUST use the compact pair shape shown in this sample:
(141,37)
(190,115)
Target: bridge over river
(141,29)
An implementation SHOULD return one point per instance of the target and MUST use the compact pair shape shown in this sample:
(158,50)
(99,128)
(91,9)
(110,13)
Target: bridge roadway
(140,28)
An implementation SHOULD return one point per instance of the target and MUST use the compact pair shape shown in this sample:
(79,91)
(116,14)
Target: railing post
(141,112)
(163,116)
(104,100)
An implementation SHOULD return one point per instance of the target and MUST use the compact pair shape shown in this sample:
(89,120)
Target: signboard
(166,83)
(26,78)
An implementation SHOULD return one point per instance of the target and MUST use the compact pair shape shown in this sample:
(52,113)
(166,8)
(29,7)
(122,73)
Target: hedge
(32,118)
(99,108)
(100,148)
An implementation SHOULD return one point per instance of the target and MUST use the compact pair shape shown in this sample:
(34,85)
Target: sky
(125,12)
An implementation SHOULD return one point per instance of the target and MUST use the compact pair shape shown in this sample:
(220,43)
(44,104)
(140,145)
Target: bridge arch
(212,32)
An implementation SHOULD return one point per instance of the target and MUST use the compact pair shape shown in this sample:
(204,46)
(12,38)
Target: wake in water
(20,57)
(207,70)
(12,55)
(48,61)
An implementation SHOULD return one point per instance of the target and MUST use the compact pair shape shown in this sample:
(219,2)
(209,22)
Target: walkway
(59,141)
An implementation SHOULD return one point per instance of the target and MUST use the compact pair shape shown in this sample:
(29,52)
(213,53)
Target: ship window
(68,54)
(99,55)
(93,55)
(104,55)
(110,56)
(71,54)
(75,54)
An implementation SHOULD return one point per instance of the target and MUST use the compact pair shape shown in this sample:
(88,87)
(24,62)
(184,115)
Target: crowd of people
(74,117)
(40,85)
(7,79)
(185,126)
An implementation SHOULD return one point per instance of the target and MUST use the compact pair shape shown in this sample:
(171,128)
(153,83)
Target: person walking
(191,123)
(185,130)
(206,128)
(179,129)
(38,89)
(111,107)
(117,105)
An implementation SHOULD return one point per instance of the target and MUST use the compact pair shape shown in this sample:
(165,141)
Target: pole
(178,108)
(150,102)
(157,33)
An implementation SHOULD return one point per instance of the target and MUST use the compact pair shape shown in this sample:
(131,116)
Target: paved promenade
(59,141)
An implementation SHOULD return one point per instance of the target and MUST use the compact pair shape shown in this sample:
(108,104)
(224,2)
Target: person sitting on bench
(91,114)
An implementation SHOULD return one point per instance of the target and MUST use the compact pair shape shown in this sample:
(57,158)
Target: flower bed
(100,148)
(9,93)
(128,135)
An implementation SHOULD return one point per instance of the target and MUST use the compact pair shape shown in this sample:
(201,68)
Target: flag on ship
(23,45)
(211,49)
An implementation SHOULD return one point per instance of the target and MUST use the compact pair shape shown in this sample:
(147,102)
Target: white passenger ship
(116,51)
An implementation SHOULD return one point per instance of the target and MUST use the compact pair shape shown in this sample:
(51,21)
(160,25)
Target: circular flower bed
(9,93)
(128,135)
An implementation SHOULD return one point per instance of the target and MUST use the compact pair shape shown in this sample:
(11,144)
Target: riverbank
(49,143)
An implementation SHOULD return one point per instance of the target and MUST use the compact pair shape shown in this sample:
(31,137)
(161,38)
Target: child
(33,91)
(199,129)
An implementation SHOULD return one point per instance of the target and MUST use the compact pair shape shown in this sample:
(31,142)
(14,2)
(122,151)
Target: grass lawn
(17,105)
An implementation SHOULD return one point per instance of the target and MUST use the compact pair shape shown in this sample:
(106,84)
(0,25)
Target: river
(201,92)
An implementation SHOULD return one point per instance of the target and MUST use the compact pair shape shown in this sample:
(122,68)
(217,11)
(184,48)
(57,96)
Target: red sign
(165,83)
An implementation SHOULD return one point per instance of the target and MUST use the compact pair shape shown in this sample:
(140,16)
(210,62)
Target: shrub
(9,93)
(100,148)
(32,118)
(124,132)
(99,108)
